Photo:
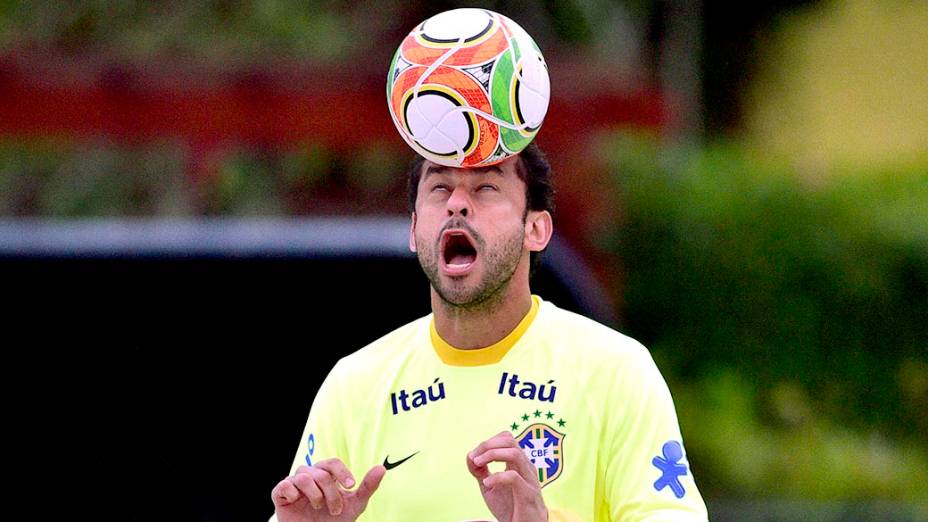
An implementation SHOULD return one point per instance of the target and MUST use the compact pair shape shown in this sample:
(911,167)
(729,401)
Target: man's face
(469,230)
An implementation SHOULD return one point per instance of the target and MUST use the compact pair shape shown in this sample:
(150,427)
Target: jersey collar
(482,356)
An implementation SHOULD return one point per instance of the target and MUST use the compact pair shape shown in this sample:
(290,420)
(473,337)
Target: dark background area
(177,388)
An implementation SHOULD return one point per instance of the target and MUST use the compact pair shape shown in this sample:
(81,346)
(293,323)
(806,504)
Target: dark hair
(532,168)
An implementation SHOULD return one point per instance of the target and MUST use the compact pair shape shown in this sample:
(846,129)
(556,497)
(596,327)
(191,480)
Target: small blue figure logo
(310,449)
(671,470)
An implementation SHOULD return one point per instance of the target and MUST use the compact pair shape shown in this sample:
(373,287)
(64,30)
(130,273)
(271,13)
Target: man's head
(476,231)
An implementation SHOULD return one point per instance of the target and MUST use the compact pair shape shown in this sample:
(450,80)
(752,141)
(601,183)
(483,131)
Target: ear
(412,233)
(538,230)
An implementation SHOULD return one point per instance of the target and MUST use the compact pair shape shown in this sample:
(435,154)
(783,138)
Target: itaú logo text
(512,386)
(405,401)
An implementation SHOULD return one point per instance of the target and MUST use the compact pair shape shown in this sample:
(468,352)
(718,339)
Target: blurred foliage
(218,30)
(792,313)
(58,179)
(260,32)
(246,185)
(306,180)
(736,450)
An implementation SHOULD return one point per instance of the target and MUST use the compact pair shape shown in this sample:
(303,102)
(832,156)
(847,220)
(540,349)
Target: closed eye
(487,186)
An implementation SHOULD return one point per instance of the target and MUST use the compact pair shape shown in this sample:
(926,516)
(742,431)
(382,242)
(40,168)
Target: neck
(486,323)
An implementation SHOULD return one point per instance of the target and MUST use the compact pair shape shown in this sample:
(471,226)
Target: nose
(458,203)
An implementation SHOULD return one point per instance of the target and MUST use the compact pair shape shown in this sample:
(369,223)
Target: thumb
(369,484)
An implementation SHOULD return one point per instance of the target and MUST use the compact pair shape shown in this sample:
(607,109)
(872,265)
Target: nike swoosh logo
(390,465)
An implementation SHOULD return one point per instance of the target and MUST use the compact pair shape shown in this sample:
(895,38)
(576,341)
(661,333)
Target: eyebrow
(437,169)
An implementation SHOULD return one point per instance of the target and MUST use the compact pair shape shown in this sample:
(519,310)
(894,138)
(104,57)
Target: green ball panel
(514,141)
(500,82)
(390,74)
(501,98)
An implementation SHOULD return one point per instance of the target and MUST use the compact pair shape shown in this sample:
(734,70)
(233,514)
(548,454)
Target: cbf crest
(542,444)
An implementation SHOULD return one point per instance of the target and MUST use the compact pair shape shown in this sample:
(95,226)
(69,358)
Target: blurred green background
(766,237)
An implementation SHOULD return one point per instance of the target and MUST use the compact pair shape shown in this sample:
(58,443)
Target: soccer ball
(468,88)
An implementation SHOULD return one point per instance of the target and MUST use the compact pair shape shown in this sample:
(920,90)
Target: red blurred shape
(338,110)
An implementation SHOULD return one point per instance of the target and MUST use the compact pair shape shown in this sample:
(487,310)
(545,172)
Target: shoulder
(587,338)
(597,352)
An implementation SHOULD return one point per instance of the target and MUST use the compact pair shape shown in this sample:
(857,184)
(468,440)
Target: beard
(499,260)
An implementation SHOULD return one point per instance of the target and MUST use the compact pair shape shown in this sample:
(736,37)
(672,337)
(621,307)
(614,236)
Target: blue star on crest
(671,469)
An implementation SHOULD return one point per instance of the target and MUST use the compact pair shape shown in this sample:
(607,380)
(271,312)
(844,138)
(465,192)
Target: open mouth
(458,251)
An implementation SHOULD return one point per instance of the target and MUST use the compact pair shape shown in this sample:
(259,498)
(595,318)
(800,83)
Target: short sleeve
(647,476)
(322,437)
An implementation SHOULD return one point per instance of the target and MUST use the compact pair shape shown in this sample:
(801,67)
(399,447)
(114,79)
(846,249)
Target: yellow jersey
(587,405)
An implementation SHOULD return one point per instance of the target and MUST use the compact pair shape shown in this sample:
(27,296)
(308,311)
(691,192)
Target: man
(498,405)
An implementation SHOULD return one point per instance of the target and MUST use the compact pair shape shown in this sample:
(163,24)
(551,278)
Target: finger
(514,458)
(284,493)
(338,470)
(307,486)
(369,484)
(509,478)
(479,472)
(326,482)
(503,439)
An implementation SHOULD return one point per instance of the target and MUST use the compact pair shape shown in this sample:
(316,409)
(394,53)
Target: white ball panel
(438,143)
(534,91)
(429,125)
(533,107)
(456,23)
(535,76)
(526,44)
(419,125)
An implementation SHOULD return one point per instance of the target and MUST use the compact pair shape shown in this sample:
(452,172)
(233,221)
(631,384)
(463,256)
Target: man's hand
(319,493)
(513,495)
